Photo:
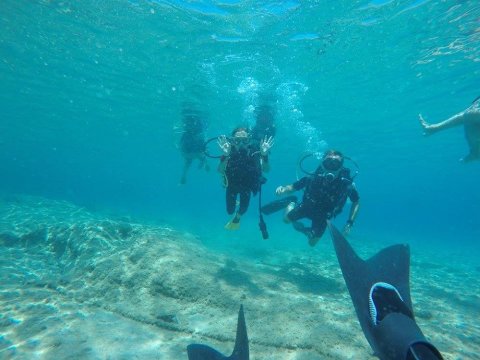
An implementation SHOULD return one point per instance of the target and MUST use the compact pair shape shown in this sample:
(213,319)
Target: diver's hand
(224,144)
(282,190)
(266,145)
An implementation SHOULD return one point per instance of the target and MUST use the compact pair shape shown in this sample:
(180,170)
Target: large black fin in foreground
(240,351)
(278,205)
(380,292)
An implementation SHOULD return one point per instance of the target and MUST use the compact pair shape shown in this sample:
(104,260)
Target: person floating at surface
(242,165)
(264,124)
(325,194)
(470,119)
(192,142)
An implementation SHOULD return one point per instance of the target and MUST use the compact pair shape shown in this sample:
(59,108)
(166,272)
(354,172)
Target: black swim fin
(380,292)
(278,205)
(240,351)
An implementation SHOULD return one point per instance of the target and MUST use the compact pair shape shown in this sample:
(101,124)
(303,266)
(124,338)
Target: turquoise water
(91,96)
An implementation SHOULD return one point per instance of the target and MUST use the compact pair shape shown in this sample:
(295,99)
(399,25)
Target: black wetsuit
(192,143)
(323,199)
(243,174)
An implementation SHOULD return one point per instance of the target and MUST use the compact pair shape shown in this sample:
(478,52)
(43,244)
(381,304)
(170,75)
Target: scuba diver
(192,142)
(242,165)
(325,194)
(264,124)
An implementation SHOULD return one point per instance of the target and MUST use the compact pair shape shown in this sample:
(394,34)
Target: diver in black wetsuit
(326,192)
(242,165)
(264,123)
(192,142)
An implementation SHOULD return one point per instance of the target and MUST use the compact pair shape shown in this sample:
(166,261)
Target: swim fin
(233,224)
(278,205)
(240,351)
(380,292)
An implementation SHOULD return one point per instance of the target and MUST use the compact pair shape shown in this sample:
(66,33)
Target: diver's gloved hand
(266,145)
(283,190)
(224,145)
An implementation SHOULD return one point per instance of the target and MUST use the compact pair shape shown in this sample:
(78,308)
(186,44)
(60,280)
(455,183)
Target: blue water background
(91,96)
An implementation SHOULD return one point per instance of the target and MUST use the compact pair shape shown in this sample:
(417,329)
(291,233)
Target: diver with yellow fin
(242,165)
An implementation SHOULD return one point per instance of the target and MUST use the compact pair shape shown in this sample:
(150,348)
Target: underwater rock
(169,318)
(9,239)
(424,314)
(4,343)
(115,230)
(6,322)
(35,237)
(125,230)
(172,289)
(136,256)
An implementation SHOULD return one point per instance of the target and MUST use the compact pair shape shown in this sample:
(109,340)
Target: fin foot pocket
(385,299)
(233,224)
(423,351)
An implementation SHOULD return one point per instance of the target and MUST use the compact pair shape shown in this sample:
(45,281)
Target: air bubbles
(248,85)
(289,95)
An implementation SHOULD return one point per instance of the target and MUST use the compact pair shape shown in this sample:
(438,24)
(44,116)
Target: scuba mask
(331,167)
(332,163)
(241,139)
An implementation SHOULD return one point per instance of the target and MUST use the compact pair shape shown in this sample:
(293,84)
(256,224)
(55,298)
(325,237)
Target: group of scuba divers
(245,158)
(380,286)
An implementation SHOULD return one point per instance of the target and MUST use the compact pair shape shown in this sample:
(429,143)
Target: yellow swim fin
(233,224)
